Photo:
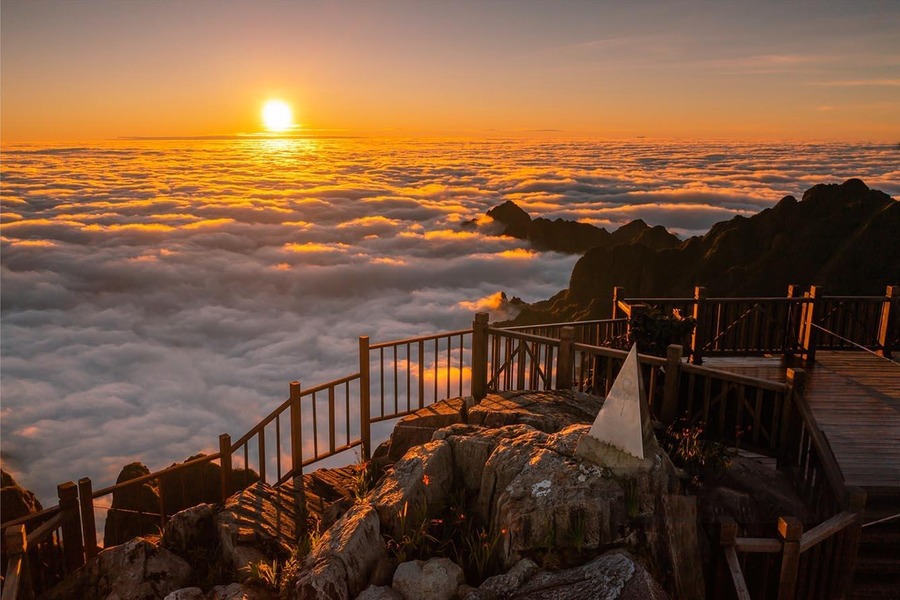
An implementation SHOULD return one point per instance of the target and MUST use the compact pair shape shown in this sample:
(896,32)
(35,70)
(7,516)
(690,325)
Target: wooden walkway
(855,397)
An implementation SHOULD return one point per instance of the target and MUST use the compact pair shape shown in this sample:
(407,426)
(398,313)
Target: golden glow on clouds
(491,302)
(311,247)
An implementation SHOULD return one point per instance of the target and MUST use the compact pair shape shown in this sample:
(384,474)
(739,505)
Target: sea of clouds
(158,293)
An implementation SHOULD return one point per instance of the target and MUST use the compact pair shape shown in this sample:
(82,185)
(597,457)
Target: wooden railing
(796,324)
(818,563)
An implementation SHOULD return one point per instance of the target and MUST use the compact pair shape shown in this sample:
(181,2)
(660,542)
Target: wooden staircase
(878,562)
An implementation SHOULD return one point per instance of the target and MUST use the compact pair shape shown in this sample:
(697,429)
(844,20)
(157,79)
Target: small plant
(578,529)
(309,541)
(632,497)
(653,331)
(482,550)
(690,450)
(361,484)
(263,572)
(413,536)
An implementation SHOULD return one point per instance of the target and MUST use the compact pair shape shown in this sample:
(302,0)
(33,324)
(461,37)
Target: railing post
(88,524)
(297,459)
(565,358)
(618,294)
(721,577)
(791,423)
(889,318)
(698,340)
(365,389)
(73,548)
(15,542)
(669,410)
(225,460)
(811,333)
(790,529)
(856,503)
(791,335)
(479,356)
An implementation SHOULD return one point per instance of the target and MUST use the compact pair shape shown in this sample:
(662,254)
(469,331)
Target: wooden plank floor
(855,397)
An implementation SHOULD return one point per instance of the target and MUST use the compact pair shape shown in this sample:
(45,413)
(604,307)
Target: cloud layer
(155,295)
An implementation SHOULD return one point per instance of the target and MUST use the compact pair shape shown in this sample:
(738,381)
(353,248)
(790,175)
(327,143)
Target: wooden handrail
(758,545)
(646,359)
(44,529)
(47,512)
(156,474)
(565,324)
(765,384)
(525,337)
(421,338)
(824,530)
(823,450)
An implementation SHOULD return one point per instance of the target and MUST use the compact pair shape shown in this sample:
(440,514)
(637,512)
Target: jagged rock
(347,558)
(500,586)
(137,570)
(421,480)
(436,578)
(379,592)
(190,593)
(546,411)
(418,427)
(256,524)
(613,576)
(16,501)
(472,445)
(200,483)
(189,530)
(239,591)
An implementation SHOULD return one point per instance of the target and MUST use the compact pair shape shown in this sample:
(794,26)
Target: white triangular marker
(624,415)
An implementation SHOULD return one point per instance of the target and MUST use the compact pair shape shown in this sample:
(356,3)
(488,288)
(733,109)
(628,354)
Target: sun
(277,116)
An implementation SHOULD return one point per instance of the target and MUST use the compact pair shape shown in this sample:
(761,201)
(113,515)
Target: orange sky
(691,69)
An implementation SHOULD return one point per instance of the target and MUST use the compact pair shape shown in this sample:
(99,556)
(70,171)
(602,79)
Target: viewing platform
(808,381)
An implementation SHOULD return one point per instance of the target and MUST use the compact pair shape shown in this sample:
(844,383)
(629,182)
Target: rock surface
(137,570)
(348,557)
(419,427)
(547,411)
(379,592)
(189,593)
(435,578)
(238,591)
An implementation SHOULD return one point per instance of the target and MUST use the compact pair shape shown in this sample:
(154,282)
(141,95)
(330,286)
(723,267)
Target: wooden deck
(855,397)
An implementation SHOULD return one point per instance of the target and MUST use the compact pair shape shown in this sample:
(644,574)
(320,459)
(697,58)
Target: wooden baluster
(618,294)
(811,332)
(856,502)
(890,314)
(720,584)
(669,411)
(297,451)
(73,547)
(790,529)
(698,340)
(88,524)
(791,317)
(791,423)
(261,450)
(564,364)
(365,413)
(225,460)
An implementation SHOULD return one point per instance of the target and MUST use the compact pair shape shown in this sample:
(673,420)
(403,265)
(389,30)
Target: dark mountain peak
(842,236)
(574,237)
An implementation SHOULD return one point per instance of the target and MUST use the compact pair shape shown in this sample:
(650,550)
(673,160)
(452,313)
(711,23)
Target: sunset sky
(757,70)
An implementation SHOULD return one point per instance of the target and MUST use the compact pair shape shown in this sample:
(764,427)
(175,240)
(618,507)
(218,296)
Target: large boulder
(135,508)
(420,482)
(436,579)
(349,557)
(190,531)
(137,570)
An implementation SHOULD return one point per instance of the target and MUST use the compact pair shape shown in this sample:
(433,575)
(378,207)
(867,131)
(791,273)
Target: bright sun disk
(277,116)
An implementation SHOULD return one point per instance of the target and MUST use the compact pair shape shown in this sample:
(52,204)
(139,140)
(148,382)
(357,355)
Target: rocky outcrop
(574,237)
(138,570)
(615,575)
(135,508)
(16,501)
(840,236)
(435,578)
